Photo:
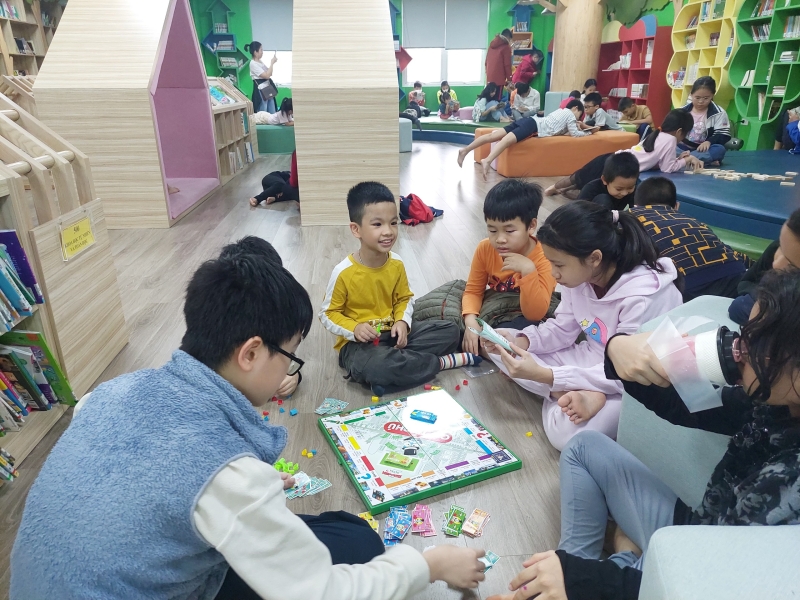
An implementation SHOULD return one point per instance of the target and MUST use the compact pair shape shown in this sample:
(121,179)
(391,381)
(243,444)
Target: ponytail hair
(286,106)
(675,120)
(581,227)
(252,47)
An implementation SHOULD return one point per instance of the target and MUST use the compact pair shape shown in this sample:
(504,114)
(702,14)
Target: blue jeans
(715,152)
(599,477)
(266,106)
(495,115)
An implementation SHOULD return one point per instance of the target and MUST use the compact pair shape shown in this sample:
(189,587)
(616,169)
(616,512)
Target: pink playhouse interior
(184,122)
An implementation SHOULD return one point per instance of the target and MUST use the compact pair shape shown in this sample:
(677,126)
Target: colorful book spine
(12,393)
(50,367)
(9,238)
(16,373)
(26,357)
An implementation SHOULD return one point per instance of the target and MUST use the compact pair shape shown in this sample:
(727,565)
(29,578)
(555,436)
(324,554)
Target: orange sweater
(487,269)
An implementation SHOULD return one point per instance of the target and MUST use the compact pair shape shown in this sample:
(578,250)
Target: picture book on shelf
(12,397)
(16,372)
(35,342)
(11,249)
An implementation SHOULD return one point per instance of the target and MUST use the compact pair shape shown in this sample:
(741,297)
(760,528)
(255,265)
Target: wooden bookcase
(698,24)
(233,130)
(757,101)
(619,83)
(27,27)
(82,318)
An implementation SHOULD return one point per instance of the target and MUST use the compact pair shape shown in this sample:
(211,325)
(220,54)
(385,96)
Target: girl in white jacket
(613,282)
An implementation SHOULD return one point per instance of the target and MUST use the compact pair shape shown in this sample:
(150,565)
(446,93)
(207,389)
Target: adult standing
(260,73)
(498,61)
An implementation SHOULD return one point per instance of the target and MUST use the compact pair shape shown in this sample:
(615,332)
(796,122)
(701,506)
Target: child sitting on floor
(709,267)
(510,262)
(596,116)
(448,109)
(711,126)
(285,116)
(279,186)
(636,114)
(616,186)
(613,281)
(559,122)
(369,306)
(526,102)
(656,150)
(213,521)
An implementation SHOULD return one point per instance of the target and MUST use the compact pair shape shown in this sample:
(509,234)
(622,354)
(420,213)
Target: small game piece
(304,452)
(265,418)
(282,410)
(274,398)
(423,415)
(280,402)
(529,434)
(375,399)
(264,413)
(436,387)
(314,452)
(465,382)
(788,183)
(791,173)
(309,455)
(458,388)
(293,412)
(427,386)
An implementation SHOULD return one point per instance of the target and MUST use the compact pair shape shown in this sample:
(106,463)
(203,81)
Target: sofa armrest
(722,563)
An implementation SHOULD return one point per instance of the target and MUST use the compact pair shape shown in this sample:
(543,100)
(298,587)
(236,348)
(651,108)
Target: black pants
(349,539)
(608,201)
(395,369)
(781,135)
(276,185)
(590,171)
(726,287)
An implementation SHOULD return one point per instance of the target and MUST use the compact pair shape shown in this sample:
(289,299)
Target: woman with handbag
(263,97)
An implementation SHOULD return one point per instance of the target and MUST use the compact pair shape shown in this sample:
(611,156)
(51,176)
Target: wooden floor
(155,265)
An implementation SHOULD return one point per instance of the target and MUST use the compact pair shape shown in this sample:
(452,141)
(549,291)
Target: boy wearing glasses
(369,306)
(168,474)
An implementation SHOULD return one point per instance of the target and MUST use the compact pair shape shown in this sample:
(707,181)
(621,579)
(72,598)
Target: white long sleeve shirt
(242,513)
(529,103)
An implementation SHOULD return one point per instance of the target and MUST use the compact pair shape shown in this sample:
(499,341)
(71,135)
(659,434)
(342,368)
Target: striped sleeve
(402,297)
(331,315)
(574,130)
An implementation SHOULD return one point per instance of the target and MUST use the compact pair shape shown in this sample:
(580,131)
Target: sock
(458,359)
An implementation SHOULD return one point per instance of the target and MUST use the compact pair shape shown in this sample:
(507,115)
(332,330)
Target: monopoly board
(393,459)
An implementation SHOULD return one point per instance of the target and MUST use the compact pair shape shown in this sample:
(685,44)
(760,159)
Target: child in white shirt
(526,102)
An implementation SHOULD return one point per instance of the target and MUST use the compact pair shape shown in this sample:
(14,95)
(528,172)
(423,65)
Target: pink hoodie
(637,297)
(663,156)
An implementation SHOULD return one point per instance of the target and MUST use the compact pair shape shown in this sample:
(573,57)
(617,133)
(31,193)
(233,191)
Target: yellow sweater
(358,294)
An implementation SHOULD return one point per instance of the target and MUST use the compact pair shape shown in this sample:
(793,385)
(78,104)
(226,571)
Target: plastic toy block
(314,452)
(375,399)
(376,341)
(304,452)
(529,434)
(435,387)
(274,398)
(458,387)
(264,413)
(293,412)
(310,455)
(280,402)
(465,382)
(427,386)
(265,418)
(282,410)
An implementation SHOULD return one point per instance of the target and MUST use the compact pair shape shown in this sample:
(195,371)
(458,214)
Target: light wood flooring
(155,265)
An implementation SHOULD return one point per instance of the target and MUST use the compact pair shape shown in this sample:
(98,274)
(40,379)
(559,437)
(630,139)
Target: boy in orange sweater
(509,260)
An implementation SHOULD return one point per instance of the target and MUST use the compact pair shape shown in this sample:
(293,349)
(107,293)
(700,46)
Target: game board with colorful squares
(393,458)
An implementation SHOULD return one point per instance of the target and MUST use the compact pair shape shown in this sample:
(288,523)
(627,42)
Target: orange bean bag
(555,156)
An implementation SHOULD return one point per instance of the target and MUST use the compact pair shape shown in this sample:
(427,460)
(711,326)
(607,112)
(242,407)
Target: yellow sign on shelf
(76,238)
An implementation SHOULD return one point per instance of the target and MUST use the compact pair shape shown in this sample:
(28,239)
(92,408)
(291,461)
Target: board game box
(393,459)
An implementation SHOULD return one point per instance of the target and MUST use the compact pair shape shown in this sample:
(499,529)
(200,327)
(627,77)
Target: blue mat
(757,208)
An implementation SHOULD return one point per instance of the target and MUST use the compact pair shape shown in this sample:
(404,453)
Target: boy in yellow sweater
(369,306)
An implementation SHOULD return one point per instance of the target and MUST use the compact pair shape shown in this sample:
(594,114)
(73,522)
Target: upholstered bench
(554,156)
(275,139)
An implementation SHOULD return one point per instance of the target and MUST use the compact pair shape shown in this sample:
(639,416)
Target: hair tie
(614,216)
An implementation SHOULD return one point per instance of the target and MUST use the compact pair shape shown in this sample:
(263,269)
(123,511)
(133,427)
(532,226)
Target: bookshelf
(25,38)
(704,39)
(766,85)
(222,44)
(81,318)
(234,130)
(633,66)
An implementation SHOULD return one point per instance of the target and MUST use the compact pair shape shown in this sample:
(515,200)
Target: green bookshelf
(758,95)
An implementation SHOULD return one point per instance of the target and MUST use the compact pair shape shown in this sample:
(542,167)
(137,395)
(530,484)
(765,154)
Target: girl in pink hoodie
(658,150)
(612,282)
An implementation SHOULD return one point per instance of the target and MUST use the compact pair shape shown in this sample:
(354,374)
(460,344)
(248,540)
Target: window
(282,70)
(464,66)
(446,40)
(425,66)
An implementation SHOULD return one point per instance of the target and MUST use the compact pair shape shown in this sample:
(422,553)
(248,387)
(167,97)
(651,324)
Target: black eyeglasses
(295,365)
